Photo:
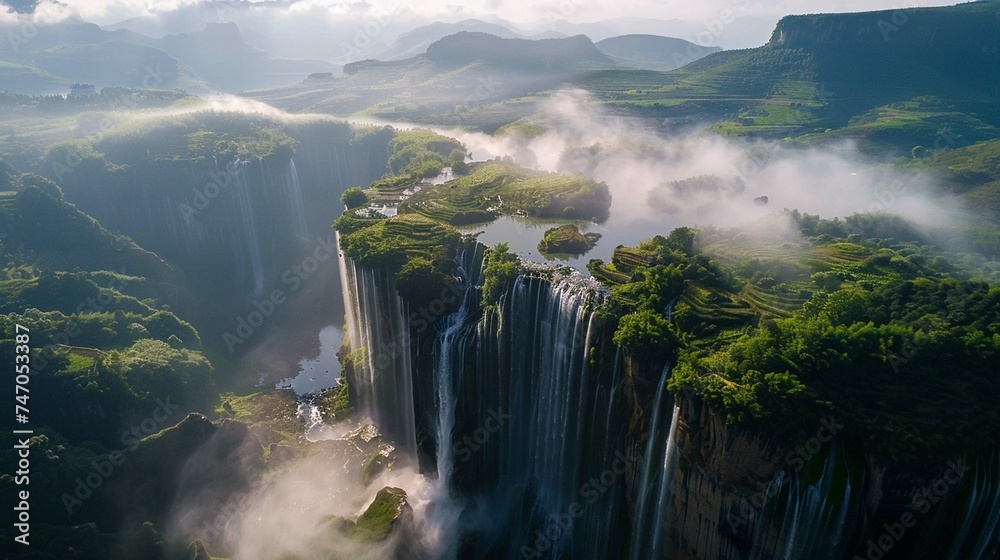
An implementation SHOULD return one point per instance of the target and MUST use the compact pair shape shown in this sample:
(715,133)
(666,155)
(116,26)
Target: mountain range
(216,58)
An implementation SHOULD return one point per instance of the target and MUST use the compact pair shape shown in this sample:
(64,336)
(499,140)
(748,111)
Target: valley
(498,294)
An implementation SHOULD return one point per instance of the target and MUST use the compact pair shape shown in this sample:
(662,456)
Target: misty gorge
(568,290)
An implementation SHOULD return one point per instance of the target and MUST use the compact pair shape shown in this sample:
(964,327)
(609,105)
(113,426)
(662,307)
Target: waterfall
(377,327)
(441,528)
(550,481)
(247,243)
(549,478)
(812,519)
(981,517)
(293,196)
(657,480)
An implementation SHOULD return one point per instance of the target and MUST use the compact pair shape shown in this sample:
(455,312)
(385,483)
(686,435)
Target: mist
(297,509)
(637,164)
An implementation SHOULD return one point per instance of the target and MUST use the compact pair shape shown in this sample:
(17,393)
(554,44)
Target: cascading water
(248,245)
(807,519)
(980,521)
(656,485)
(378,327)
(529,417)
(293,196)
(441,526)
(549,480)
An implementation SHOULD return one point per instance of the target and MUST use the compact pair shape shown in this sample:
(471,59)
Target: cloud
(746,23)
(690,177)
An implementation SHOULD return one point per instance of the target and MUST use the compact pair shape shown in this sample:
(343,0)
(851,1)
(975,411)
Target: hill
(807,79)
(21,78)
(652,52)
(75,51)
(458,75)
(215,58)
(466,48)
(220,55)
(416,41)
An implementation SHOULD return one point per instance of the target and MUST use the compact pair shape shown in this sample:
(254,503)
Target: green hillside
(808,77)
(458,75)
(467,47)
(652,52)
(776,333)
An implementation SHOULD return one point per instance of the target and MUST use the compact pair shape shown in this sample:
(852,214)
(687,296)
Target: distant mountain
(653,52)
(219,55)
(465,48)
(76,51)
(746,29)
(930,78)
(311,30)
(415,42)
(449,84)
(19,78)
(951,53)
(216,58)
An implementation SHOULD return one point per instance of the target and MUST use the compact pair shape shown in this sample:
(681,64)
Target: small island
(568,240)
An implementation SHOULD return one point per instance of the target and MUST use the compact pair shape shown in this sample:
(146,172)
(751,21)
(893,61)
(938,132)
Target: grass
(499,188)
(79,362)
(380,517)
(270,414)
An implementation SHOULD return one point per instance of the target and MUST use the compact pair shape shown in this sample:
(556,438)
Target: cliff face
(538,421)
(721,471)
(741,495)
(866,60)
(969,28)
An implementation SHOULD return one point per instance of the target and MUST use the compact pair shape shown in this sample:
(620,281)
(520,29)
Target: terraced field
(713,307)
(417,235)
(496,189)
(773,302)
(392,241)
(779,278)
(474,198)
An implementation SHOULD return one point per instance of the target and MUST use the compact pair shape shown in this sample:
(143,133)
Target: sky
(729,23)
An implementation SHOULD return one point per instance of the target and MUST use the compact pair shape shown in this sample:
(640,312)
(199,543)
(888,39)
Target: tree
(419,281)
(354,197)
(682,239)
(647,335)
(501,270)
